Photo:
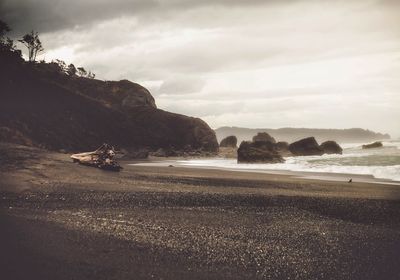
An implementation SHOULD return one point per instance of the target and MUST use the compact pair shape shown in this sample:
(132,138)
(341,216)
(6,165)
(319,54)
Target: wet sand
(324,176)
(61,220)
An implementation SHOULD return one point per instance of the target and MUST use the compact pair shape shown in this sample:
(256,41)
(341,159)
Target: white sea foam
(383,163)
(381,172)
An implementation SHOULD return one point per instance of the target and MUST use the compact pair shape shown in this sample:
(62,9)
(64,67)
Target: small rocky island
(306,147)
(259,151)
(229,142)
(331,147)
(265,149)
(376,144)
(263,137)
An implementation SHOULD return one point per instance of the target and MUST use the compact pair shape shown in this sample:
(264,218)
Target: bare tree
(82,72)
(71,70)
(91,75)
(33,43)
(61,64)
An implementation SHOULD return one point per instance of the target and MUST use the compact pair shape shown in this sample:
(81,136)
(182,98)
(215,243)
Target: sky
(253,63)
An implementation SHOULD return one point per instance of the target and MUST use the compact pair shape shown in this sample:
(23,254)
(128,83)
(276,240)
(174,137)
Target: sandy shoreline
(323,176)
(60,220)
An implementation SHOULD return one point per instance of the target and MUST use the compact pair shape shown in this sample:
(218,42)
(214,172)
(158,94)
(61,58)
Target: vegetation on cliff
(48,105)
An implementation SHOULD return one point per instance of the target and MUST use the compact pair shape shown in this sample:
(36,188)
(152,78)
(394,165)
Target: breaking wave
(382,163)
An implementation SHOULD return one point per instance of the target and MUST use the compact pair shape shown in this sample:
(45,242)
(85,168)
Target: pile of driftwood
(102,158)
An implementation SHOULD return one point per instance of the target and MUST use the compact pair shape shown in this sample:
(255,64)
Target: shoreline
(62,220)
(313,175)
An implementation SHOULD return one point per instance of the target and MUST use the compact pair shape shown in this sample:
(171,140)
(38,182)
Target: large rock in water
(376,144)
(263,137)
(306,147)
(229,142)
(283,148)
(263,152)
(331,147)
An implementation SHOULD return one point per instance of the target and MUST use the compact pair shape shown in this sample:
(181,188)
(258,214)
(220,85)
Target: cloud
(181,85)
(56,15)
(245,63)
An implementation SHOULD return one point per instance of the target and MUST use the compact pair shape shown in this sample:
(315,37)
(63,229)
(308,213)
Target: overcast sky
(253,63)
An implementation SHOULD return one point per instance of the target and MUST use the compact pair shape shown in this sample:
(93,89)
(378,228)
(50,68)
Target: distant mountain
(351,135)
(43,106)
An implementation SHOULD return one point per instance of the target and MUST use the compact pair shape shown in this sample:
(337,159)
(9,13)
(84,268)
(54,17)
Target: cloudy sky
(253,63)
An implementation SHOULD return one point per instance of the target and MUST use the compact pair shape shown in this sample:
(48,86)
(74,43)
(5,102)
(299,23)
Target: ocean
(381,163)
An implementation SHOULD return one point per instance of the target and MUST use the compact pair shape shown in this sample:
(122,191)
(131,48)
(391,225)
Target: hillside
(42,106)
(352,135)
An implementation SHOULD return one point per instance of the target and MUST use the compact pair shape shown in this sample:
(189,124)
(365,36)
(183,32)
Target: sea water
(381,163)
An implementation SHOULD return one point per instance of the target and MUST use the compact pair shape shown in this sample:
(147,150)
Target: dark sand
(61,220)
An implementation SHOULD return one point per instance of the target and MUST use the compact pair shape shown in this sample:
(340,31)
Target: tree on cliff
(6,44)
(33,43)
(71,70)
(82,72)
(91,75)
(61,65)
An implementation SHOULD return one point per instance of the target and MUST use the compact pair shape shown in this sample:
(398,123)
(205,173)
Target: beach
(61,220)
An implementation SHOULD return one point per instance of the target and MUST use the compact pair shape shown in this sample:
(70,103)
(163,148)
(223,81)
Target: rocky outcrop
(14,136)
(258,152)
(352,135)
(229,142)
(268,152)
(134,153)
(227,152)
(331,147)
(121,95)
(373,145)
(283,148)
(263,137)
(164,153)
(306,147)
(53,110)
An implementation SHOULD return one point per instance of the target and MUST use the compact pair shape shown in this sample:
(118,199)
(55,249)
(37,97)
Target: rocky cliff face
(229,142)
(262,152)
(263,137)
(306,147)
(122,94)
(376,144)
(331,147)
(41,106)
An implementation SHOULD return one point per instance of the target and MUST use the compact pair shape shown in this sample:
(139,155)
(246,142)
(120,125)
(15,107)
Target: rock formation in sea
(263,137)
(306,147)
(269,152)
(376,144)
(259,151)
(229,142)
(291,134)
(331,147)
(283,148)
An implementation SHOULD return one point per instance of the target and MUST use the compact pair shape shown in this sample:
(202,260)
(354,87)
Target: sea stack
(376,144)
(331,147)
(306,147)
(263,137)
(258,152)
(229,142)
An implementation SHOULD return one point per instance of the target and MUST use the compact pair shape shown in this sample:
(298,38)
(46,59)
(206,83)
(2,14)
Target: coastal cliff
(40,105)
